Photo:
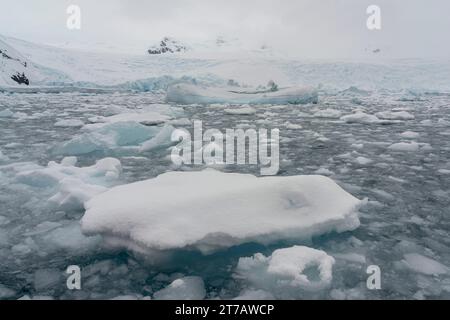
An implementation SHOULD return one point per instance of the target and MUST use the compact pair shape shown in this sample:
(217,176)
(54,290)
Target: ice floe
(184,93)
(107,137)
(244,110)
(425,265)
(288,271)
(186,288)
(210,210)
(405,146)
(6,113)
(69,123)
(73,185)
(409,135)
(328,113)
(395,115)
(360,117)
(146,118)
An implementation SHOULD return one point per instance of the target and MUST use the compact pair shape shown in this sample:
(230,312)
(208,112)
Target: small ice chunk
(425,265)
(288,270)
(75,185)
(396,115)
(360,117)
(409,135)
(107,137)
(352,257)
(162,139)
(405,146)
(187,288)
(6,292)
(6,113)
(328,113)
(3,157)
(251,294)
(69,237)
(146,118)
(292,126)
(47,278)
(245,110)
(363,161)
(324,171)
(75,123)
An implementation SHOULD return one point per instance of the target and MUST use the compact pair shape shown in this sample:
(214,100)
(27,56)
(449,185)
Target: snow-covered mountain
(18,69)
(167,45)
(14,68)
(217,62)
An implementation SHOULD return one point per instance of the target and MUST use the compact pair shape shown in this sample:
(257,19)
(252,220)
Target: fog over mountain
(310,29)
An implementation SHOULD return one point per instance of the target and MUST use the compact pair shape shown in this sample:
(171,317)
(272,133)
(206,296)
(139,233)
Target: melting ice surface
(59,150)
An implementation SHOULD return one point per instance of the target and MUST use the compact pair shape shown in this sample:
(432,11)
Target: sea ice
(405,146)
(74,185)
(146,118)
(6,113)
(108,136)
(288,271)
(244,110)
(409,135)
(396,115)
(328,113)
(360,117)
(292,126)
(186,288)
(162,138)
(6,292)
(252,294)
(425,265)
(3,157)
(69,123)
(184,93)
(209,210)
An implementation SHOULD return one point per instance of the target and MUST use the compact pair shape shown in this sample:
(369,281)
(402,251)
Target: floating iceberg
(146,118)
(285,272)
(425,265)
(244,110)
(69,123)
(328,113)
(405,146)
(395,115)
(187,288)
(192,94)
(108,136)
(6,113)
(74,185)
(209,210)
(360,117)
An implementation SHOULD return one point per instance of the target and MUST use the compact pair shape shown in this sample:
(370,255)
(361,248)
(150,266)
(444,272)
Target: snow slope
(69,66)
(16,69)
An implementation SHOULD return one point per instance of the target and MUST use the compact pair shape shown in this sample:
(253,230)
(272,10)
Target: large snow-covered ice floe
(184,93)
(209,210)
(73,185)
(287,271)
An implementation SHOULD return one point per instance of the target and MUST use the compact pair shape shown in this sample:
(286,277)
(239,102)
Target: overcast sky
(310,28)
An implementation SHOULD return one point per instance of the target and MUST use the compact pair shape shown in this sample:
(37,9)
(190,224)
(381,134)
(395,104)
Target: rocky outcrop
(167,45)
